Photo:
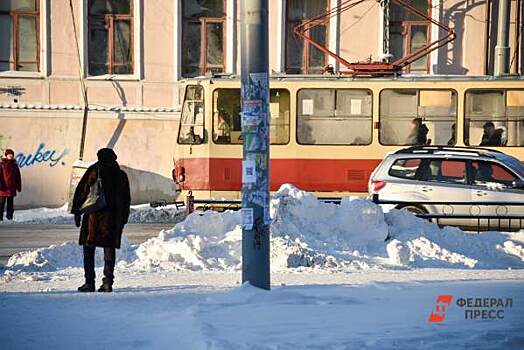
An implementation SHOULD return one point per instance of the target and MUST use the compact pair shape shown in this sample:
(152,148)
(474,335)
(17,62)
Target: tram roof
(339,77)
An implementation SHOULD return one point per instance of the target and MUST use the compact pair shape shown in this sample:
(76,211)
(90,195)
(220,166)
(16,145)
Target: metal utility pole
(82,84)
(502,48)
(255,135)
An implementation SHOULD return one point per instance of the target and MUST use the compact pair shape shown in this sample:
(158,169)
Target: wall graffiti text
(40,156)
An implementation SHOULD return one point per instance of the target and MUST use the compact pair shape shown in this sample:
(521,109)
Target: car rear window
(405,168)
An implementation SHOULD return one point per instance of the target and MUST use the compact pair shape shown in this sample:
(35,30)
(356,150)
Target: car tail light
(378,185)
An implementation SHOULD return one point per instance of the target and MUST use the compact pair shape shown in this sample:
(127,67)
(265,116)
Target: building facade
(126,59)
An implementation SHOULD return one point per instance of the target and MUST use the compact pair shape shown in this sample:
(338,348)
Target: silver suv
(449,175)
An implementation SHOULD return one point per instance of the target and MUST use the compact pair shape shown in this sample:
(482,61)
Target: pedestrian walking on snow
(102,224)
(10,183)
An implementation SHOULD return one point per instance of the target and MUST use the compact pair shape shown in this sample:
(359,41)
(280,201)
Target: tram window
(334,117)
(227,127)
(192,119)
(417,117)
(494,118)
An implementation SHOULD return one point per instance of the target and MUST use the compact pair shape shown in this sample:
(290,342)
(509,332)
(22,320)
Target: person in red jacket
(10,183)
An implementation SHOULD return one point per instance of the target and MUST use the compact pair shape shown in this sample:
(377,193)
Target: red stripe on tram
(326,175)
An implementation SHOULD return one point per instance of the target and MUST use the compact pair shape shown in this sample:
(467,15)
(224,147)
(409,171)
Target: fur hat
(106,154)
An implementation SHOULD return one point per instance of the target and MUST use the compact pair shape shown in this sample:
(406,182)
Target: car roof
(463,152)
(453,151)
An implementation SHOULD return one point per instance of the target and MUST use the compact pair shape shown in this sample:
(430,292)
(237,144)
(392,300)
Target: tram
(328,133)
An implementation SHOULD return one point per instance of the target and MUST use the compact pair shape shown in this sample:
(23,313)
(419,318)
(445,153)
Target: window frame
(204,138)
(14,15)
(405,33)
(417,172)
(427,161)
(471,179)
(203,21)
(454,91)
(334,144)
(214,108)
(466,118)
(111,51)
(305,69)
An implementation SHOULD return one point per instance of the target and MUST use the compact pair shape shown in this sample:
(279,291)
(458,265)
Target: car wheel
(414,209)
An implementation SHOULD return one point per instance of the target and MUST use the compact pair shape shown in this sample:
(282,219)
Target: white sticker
(249,172)
(356,107)
(251,119)
(307,107)
(274,109)
(247,218)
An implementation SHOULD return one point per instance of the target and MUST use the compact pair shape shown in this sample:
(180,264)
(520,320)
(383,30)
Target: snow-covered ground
(344,276)
(208,310)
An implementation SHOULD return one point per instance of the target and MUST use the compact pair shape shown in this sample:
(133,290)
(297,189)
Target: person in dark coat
(419,133)
(10,183)
(102,228)
(491,135)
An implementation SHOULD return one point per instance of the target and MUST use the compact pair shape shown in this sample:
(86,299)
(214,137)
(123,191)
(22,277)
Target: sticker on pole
(249,172)
(247,218)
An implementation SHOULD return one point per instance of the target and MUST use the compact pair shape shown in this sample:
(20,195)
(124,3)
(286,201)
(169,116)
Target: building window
(19,35)
(409,33)
(110,37)
(334,117)
(302,58)
(203,37)
(494,118)
(418,117)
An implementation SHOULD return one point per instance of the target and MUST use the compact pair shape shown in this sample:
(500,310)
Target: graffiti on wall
(42,155)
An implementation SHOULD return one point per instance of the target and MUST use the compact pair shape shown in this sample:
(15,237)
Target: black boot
(106,288)
(87,288)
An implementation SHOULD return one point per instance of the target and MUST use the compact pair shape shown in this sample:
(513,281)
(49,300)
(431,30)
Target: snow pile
(306,233)
(65,255)
(51,216)
(208,241)
(142,213)
(419,243)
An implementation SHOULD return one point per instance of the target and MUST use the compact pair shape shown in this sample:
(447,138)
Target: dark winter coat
(104,228)
(422,134)
(10,179)
(495,139)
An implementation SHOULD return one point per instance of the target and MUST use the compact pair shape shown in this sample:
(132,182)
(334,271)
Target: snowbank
(142,213)
(306,233)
